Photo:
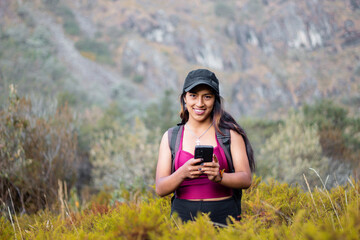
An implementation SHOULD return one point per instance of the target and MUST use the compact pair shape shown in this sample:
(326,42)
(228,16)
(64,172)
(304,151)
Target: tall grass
(270,211)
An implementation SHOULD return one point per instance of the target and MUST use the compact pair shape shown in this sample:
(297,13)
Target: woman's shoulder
(177,126)
(236,137)
(172,131)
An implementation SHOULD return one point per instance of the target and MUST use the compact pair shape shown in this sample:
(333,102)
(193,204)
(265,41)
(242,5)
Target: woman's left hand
(211,169)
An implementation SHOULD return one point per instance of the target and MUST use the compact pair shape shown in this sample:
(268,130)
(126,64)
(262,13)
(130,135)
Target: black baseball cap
(201,76)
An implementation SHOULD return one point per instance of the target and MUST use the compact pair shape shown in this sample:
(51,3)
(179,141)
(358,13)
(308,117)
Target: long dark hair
(222,119)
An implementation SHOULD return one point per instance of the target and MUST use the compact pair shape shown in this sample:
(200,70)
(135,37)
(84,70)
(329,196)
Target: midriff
(210,199)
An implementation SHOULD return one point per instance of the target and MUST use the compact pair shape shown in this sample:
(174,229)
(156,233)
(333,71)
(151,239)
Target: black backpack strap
(174,137)
(224,141)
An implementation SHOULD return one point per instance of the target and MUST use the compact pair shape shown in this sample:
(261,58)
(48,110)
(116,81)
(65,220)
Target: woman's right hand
(190,169)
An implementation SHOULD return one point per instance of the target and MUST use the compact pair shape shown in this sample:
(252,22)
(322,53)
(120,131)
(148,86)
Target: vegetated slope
(269,55)
(34,41)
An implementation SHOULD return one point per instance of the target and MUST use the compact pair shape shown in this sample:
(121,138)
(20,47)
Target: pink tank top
(202,187)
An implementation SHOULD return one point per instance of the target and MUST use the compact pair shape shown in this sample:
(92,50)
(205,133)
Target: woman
(207,187)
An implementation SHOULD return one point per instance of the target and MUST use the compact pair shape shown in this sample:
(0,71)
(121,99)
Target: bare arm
(241,178)
(166,182)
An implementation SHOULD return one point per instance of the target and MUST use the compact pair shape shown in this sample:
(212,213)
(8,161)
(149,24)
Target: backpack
(174,137)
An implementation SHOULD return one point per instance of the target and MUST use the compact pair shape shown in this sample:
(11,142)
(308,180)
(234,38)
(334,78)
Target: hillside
(270,55)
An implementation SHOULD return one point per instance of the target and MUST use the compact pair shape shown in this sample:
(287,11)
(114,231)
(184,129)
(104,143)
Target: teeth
(199,110)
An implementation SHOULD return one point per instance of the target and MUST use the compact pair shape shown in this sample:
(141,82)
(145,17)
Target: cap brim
(199,83)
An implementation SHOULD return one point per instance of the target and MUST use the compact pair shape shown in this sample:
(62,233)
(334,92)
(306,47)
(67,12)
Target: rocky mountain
(270,55)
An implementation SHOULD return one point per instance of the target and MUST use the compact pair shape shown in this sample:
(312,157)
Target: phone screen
(205,152)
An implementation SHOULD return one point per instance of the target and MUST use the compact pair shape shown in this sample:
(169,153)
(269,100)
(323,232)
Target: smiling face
(200,103)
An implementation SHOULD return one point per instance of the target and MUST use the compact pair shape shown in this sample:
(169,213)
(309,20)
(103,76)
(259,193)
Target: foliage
(99,49)
(222,9)
(138,79)
(326,115)
(70,24)
(162,114)
(122,155)
(71,99)
(291,151)
(270,211)
(35,153)
(6,229)
(71,27)
(96,120)
(339,133)
(259,130)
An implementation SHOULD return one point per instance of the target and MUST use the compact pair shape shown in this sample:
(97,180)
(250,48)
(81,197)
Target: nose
(200,102)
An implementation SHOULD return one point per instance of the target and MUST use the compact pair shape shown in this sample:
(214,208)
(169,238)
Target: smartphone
(205,152)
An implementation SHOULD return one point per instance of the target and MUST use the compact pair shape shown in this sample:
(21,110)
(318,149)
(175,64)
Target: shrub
(70,24)
(35,153)
(339,133)
(325,114)
(138,79)
(291,151)
(270,211)
(162,114)
(259,130)
(71,27)
(122,155)
(100,49)
(224,10)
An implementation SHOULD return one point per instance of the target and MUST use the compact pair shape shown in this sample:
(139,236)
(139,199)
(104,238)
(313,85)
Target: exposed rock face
(275,54)
(163,28)
(199,47)
(289,27)
(291,32)
(148,65)
(156,27)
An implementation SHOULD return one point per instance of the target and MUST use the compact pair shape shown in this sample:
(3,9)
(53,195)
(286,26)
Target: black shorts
(219,210)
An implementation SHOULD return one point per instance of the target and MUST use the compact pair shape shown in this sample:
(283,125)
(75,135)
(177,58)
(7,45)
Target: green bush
(121,155)
(138,79)
(35,153)
(224,10)
(101,50)
(325,114)
(291,151)
(71,27)
(70,24)
(162,114)
(339,133)
(64,12)
(259,130)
